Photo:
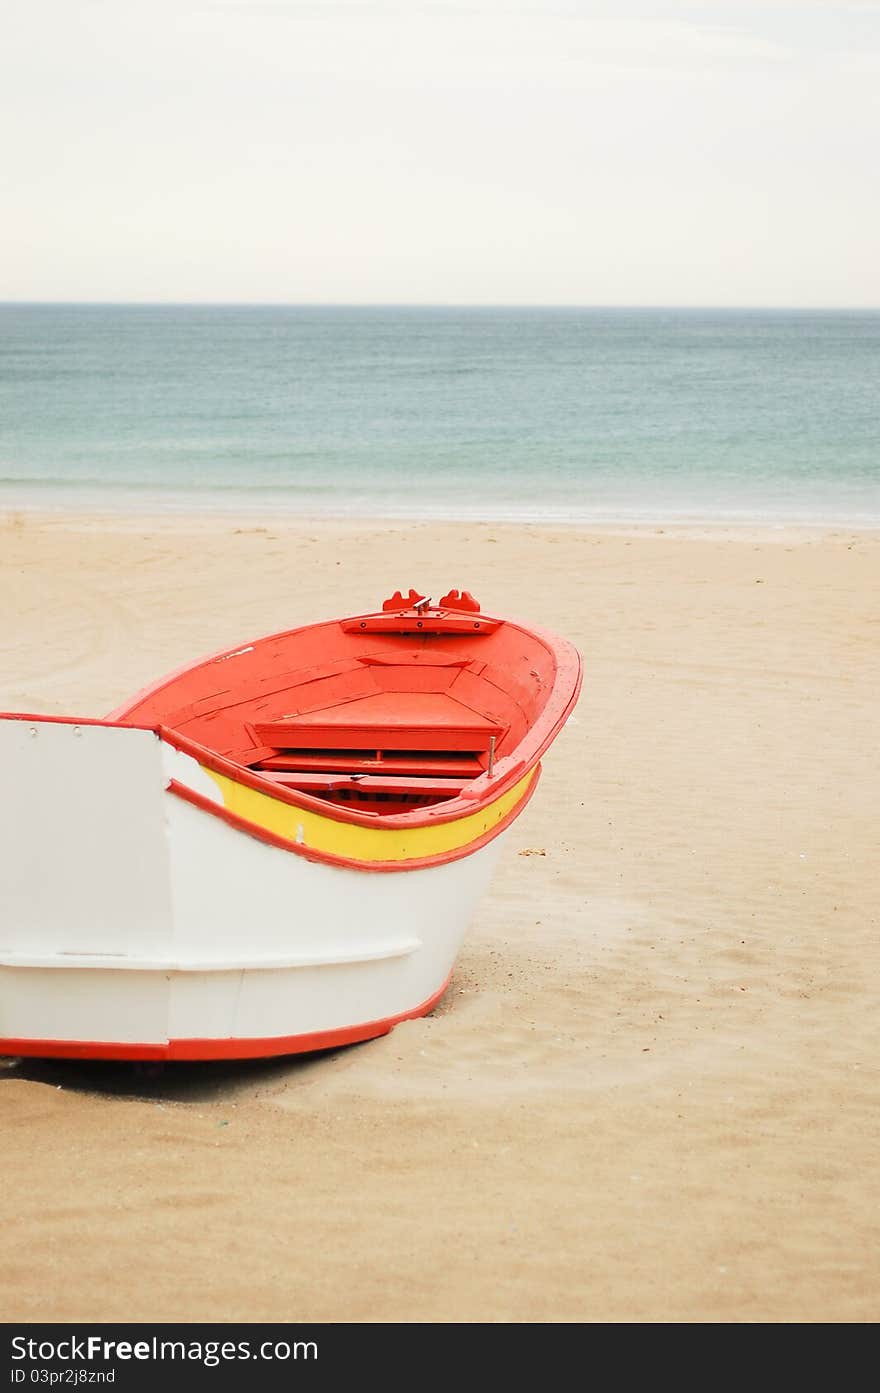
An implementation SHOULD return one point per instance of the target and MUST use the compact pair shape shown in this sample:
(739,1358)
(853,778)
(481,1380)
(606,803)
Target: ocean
(539,415)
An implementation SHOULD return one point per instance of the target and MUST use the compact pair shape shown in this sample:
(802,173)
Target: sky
(547,152)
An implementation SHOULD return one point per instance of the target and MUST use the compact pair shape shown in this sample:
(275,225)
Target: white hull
(131,918)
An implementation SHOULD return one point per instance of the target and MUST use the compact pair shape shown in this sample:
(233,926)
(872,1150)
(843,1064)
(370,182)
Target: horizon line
(438,305)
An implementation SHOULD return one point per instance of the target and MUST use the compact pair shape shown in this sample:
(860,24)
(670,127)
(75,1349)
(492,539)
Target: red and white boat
(275,849)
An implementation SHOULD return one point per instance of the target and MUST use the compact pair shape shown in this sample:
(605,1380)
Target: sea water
(558,415)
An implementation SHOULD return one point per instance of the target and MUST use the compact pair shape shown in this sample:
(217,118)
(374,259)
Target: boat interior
(381,714)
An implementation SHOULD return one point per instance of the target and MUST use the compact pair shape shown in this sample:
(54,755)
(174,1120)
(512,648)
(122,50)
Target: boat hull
(144,920)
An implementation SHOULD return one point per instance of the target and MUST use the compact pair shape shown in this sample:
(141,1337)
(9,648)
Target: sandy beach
(650,1094)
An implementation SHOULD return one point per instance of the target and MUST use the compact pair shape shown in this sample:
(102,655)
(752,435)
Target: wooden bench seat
(417,763)
(366,784)
(384,721)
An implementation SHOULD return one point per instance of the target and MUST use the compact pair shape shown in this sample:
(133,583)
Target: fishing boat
(275,849)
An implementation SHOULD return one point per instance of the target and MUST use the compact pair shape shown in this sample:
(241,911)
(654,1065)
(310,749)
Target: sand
(650,1094)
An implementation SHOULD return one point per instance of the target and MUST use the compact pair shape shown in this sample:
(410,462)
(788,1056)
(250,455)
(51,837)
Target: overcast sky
(493,151)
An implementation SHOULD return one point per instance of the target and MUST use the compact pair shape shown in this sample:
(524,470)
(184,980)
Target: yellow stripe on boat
(357,843)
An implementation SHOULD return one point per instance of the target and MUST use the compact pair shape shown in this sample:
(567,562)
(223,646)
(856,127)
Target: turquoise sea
(521,414)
